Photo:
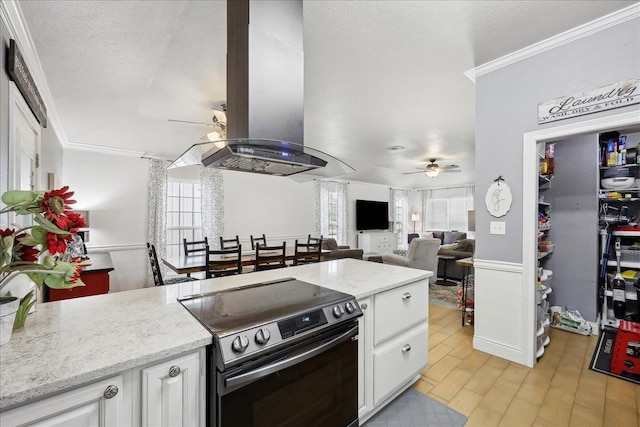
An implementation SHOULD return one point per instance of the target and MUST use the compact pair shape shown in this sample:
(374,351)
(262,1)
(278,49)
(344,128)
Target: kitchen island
(74,343)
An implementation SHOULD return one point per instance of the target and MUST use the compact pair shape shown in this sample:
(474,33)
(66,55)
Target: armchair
(422,254)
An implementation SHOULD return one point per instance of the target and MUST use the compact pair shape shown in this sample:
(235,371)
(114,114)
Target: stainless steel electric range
(284,353)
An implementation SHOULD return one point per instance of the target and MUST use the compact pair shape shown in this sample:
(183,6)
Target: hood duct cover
(265,105)
(265,83)
(262,156)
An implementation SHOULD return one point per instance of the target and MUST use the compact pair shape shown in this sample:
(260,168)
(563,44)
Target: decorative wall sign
(19,73)
(498,199)
(602,99)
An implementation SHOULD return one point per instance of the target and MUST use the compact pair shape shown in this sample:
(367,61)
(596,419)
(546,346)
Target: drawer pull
(363,306)
(110,392)
(174,371)
(406,348)
(406,295)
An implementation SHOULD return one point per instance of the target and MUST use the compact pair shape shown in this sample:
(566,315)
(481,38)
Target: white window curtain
(156,209)
(427,196)
(323,213)
(343,213)
(399,213)
(212,184)
(322,208)
(470,196)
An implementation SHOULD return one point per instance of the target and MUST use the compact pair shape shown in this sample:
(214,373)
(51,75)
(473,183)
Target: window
(447,214)
(331,210)
(184,217)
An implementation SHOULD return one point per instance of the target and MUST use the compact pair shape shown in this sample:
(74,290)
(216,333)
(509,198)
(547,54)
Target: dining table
(195,263)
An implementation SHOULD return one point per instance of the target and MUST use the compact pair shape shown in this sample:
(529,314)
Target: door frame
(18,105)
(530,174)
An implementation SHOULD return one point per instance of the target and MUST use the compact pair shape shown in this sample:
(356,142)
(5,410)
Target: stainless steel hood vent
(265,91)
(262,156)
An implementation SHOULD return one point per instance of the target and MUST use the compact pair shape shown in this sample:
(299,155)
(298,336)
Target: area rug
(414,409)
(446,296)
(601,359)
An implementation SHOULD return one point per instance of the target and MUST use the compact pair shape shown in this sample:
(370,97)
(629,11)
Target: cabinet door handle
(406,295)
(174,371)
(406,348)
(110,392)
(363,306)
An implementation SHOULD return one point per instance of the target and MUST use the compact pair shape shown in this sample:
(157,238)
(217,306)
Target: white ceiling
(377,74)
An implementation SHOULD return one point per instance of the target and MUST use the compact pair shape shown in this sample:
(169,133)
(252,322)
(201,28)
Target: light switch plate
(498,227)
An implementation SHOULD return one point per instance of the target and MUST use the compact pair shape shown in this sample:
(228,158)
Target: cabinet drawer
(394,365)
(400,308)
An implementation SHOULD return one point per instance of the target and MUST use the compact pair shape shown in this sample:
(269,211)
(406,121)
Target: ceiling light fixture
(432,170)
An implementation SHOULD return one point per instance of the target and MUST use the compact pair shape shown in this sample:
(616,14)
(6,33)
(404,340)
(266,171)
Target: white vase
(8,308)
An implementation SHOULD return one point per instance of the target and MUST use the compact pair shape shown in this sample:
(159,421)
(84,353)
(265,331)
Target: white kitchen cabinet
(379,242)
(172,392)
(393,347)
(167,393)
(104,403)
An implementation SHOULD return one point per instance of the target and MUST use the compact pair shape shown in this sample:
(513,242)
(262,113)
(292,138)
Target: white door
(24,152)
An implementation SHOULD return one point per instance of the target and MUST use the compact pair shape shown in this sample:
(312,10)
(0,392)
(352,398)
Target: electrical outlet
(498,227)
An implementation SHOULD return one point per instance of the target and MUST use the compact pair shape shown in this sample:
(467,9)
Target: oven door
(314,383)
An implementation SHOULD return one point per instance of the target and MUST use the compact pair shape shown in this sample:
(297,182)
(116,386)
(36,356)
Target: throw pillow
(428,235)
(450,246)
(453,236)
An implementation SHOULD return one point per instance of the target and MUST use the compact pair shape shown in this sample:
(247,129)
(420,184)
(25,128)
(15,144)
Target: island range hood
(265,90)
(265,86)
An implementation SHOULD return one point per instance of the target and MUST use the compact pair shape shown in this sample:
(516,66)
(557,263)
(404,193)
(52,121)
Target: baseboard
(500,350)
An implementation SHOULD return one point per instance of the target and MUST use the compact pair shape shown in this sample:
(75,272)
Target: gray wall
(506,108)
(574,225)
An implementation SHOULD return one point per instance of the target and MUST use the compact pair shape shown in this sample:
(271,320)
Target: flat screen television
(372,215)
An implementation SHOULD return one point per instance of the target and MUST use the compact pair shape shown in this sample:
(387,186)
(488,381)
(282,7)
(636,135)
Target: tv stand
(381,242)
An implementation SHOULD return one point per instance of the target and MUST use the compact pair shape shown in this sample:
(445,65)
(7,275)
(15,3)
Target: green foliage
(26,303)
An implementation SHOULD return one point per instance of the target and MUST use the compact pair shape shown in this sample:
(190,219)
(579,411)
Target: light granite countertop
(72,342)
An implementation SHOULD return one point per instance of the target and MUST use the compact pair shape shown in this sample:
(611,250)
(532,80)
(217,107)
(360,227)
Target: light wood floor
(490,391)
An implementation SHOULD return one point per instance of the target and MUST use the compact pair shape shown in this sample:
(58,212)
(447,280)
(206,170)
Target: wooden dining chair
(229,243)
(254,240)
(224,262)
(314,239)
(157,273)
(196,247)
(270,257)
(307,253)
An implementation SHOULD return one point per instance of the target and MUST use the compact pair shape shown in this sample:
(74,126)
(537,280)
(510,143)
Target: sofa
(339,251)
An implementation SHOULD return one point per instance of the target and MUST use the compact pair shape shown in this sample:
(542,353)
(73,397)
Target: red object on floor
(626,349)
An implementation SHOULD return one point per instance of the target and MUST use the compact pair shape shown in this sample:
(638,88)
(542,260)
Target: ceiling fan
(218,125)
(433,169)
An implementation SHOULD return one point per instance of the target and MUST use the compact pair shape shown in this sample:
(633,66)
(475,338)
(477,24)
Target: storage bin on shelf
(629,254)
(545,246)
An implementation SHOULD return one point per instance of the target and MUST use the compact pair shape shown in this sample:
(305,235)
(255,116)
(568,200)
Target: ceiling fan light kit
(432,169)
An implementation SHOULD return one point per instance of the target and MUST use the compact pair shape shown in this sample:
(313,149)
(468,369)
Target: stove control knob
(262,336)
(338,311)
(349,307)
(240,344)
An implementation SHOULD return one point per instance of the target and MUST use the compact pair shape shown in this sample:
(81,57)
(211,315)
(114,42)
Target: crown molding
(117,151)
(599,24)
(14,20)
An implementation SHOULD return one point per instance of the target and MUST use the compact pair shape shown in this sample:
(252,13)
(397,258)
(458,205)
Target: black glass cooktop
(233,310)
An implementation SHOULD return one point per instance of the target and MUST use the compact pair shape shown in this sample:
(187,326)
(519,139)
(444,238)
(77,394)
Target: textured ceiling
(377,74)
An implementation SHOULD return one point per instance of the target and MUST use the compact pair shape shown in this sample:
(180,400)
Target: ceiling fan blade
(192,123)
(450,170)
(448,167)
(411,173)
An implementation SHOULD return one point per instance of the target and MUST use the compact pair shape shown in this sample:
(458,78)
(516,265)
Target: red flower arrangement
(30,250)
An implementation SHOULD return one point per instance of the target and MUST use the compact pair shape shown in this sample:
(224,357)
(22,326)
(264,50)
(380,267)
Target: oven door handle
(283,364)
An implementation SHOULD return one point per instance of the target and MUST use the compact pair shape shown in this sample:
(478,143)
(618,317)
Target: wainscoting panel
(130,264)
(499,317)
